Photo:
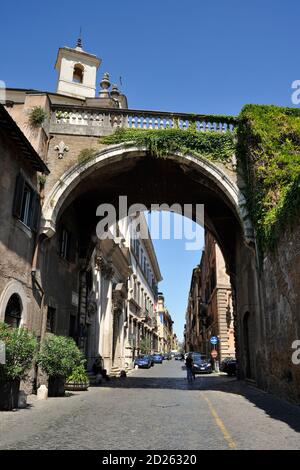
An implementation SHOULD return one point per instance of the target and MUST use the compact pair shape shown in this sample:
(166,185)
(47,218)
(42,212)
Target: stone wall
(59,276)
(281,306)
(58,166)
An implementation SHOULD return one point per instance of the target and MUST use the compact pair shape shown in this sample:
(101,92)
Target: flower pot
(76,386)
(9,395)
(56,386)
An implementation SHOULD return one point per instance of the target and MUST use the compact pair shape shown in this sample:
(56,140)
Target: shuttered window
(67,245)
(26,204)
(64,243)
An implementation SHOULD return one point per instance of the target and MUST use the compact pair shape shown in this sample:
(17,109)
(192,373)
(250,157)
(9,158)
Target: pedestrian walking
(189,367)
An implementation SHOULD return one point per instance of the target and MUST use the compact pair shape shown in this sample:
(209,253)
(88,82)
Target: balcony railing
(103,121)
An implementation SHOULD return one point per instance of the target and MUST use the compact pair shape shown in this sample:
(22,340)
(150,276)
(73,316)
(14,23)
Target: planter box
(56,387)
(76,386)
(9,395)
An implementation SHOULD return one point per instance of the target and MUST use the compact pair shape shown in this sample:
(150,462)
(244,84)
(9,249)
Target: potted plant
(58,356)
(78,379)
(20,348)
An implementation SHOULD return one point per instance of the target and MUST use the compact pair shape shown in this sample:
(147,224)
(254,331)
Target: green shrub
(78,375)
(37,116)
(20,349)
(86,155)
(59,355)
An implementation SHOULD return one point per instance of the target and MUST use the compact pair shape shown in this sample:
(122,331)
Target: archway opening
(146,180)
(13,311)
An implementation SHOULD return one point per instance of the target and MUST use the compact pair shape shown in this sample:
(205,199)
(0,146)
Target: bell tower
(77,72)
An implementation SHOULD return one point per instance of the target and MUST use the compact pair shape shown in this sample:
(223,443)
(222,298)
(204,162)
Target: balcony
(82,120)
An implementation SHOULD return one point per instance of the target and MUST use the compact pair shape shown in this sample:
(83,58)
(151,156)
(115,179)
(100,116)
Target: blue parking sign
(213,340)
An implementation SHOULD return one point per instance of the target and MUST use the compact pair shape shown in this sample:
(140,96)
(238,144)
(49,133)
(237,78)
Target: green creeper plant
(86,155)
(268,152)
(160,142)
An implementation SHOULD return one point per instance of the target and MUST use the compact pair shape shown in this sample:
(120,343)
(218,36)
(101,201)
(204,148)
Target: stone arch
(114,170)
(115,153)
(14,288)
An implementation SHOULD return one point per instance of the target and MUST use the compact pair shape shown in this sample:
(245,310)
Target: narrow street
(156,409)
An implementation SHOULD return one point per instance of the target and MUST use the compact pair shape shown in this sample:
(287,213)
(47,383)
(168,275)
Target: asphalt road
(156,409)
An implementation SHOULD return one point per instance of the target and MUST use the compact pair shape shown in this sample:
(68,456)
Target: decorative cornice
(104,267)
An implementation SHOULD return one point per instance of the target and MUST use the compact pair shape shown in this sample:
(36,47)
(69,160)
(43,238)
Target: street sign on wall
(213,339)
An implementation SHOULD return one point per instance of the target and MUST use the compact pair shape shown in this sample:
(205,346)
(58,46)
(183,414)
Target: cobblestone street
(156,409)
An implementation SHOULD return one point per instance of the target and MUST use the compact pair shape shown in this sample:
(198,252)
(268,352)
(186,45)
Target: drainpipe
(37,283)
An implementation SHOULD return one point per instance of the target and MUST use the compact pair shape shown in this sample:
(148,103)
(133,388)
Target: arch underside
(148,180)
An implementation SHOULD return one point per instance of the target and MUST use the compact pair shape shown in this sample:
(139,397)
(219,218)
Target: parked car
(157,358)
(228,366)
(167,356)
(144,361)
(179,357)
(201,365)
(152,360)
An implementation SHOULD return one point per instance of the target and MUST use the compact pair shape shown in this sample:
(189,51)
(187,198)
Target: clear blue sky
(190,56)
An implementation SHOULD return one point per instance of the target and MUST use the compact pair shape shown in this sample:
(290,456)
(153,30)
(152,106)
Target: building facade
(100,292)
(20,201)
(165,325)
(142,333)
(209,311)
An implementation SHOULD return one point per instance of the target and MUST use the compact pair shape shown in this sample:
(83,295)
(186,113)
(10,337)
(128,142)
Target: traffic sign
(213,340)
(214,353)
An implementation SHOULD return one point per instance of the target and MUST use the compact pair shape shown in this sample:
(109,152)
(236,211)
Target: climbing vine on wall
(268,152)
(160,142)
(86,154)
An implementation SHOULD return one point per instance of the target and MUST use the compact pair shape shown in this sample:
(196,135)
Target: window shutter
(19,191)
(72,245)
(35,212)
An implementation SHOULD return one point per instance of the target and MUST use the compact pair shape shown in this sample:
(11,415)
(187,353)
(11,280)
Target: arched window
(13,311)
(78,73)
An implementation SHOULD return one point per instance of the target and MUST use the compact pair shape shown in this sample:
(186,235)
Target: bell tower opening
(78,73)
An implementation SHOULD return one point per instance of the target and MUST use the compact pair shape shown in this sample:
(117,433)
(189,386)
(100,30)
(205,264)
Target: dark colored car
(228,366)
(157,358)
(152,360)
(144,362)
(201,365)
(167,356)
(179,357)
